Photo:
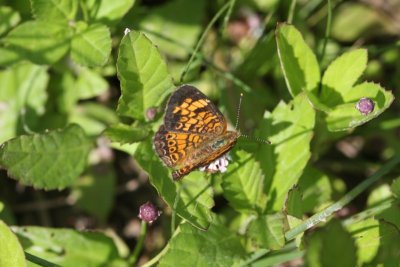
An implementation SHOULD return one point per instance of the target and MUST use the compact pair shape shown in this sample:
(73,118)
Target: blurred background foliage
(49,90)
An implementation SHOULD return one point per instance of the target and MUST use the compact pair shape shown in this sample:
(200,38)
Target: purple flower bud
(151,114)
(148,212)
(365,105)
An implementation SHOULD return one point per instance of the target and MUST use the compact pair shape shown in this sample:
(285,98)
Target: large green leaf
(50,160)
(193,247)
(173,21)
(298,62)
(91,44)
(395,187)
(39,41)
(367,238)
(54,11)
(68,247)
(11,253)
(267,231)
(22,88)
(290,129)
(108,12)
(389,245)
(194,201)
(8,19)
(243,184)
(143,74)
(331,246)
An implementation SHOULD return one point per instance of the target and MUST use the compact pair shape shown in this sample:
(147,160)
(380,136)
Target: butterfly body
(194,132)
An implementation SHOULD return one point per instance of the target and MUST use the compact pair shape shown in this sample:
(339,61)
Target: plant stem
(291,11)
(39,261)
(327,31)
(138,248)
(228,14)
(200,42)
(173,215)
(321,216)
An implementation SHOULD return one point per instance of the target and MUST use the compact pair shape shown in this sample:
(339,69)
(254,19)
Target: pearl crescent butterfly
(194,133)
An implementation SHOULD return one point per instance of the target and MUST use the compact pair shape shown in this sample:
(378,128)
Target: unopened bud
(365,105)
(148,212)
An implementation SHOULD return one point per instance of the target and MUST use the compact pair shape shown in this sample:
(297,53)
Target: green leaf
(108,12)
(332,246)
(267,231)
(39,41)
(125,134)
(341,75)
(316,189)
(294,202)
(11,253)
(51,160)
(195,199)
(290,129)
(379,195)
(90,84)
(395,187)
(389,245)
(54,11)
(22,88)
(8,19)
(95,191)
(293,222)
(298,62)
(346,116)
(91,44)
(243,184)
(367,238)
(192,247)
(93,117)
(391,215)
(69,247)
(9,57)
(172,21)
(143,74)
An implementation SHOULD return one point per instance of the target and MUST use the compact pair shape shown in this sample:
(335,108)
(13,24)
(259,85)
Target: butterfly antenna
(238,111)
(256,139)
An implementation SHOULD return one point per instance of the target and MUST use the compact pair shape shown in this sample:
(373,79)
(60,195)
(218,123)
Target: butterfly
(194,134)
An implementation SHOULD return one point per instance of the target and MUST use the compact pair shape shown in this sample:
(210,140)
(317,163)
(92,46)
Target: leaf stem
(327,31)
(200,42)
(39,261)
(173,218)
(321,216)
(138,248)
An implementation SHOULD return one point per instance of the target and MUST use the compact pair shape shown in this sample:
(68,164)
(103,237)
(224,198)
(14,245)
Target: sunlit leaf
(125,134)
(298,62)
(9,18)
(91,45)
(267,231)
(215,247)
(54,11)
(50,160)
(367,238)
(143,74)
(108,12)
(289,128)
(22,88)
(68,247)
(243,184)
(11,253)
(39,41)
